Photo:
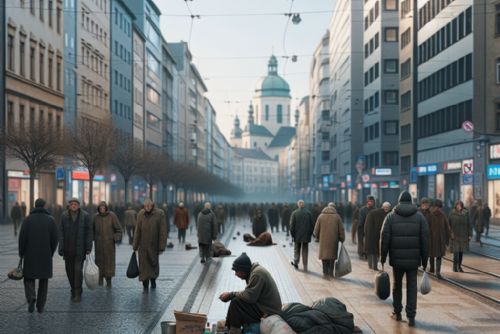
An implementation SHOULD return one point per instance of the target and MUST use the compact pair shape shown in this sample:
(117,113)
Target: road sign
(468,126)
(59,173)
(467,167)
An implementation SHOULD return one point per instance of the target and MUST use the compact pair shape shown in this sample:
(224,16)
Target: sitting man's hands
(226,296)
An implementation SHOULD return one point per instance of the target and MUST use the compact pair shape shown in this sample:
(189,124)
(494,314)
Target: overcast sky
(231,50)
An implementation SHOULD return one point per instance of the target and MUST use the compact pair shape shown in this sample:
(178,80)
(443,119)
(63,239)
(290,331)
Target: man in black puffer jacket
(405,236)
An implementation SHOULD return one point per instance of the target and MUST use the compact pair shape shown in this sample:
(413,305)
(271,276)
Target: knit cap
(242,263)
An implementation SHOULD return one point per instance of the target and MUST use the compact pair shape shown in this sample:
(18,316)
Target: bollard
(168,327)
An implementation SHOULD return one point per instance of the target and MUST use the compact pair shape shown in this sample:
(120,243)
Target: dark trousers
(284,227)
(411,291)
(241,313)
(181,233)
(328,267)
(373,261)
(130,233)
(30,291)
(361,244)
(221,228)
(274,226)
(205,251)
(74,271)
(16,223)
(299,247)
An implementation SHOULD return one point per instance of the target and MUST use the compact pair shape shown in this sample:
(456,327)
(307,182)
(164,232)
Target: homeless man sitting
(260,297)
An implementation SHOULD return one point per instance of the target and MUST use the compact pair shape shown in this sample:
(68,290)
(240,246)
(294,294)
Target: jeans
(181,233)
(30,291)
(297,247)
(74,271)
(241,312)
(411,291)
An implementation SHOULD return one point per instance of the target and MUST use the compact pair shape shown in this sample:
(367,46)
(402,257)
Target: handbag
(382,284)
(343,262)
(425,284)
(17,273)
(133,267)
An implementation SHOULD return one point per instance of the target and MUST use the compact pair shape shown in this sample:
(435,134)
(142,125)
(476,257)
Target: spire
(236,122)
(272,66)
(236,132)
(250,114)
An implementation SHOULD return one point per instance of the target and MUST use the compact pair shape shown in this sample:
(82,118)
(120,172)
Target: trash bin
(168,327)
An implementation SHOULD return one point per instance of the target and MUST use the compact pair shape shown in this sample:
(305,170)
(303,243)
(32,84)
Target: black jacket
(84,235)
(405,236)
(37,244)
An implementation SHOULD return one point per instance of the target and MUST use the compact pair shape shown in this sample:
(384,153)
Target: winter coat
(37,243)
(329,230)
(84,236)
(16,213)
(363,213)
(150,238)
(439,233)
(405,236)
(373,226)
(220,215)
(461,230)
(285,216)
(261,290)
(427,214)
(207,227)
(477,218)
(259,225)
(274,216)
(107,231)
(181,218)
(130,218)
(301,225)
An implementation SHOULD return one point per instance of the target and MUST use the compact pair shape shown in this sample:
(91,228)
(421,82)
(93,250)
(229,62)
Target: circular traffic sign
(468,126)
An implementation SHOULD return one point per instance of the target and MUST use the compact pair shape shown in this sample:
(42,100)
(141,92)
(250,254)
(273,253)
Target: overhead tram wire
(284,37)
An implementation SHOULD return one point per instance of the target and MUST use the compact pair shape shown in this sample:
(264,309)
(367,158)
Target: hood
(405,209)
(329,210)
(206,211)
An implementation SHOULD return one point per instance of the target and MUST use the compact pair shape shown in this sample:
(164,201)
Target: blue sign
(413,175)
(430,169)
(493,172)
(393,184)
(59,173)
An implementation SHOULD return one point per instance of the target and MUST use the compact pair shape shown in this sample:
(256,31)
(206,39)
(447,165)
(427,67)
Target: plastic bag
(382,285)
(133,267)
(17,273)
(425,284)
(91,273)
(343,262)
(274,324)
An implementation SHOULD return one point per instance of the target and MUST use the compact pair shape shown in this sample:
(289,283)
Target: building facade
(168,118)
(303,153)
(138,82)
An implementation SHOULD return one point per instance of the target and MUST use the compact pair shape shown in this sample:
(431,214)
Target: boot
(438,268)
(145,284)
(460,258)
(153,283)
(455,262)
(432,265)
(101,279)
(411,322)
(108,282)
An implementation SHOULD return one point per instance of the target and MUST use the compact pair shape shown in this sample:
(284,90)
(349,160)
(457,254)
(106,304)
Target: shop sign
(468,167)
(374,186)
(367,185)
(430,169)
(348,178)
(59,173)
(493,172)
(452,165)
(384,185)
(83,175)
(365,178)
(413,175)
(383,171)
(342,185)
(495,151)
(19,174)
(467,179)
(393,184)
(14,184)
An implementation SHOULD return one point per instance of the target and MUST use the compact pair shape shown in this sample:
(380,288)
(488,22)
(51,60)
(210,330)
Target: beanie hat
(242,263)
(404,197)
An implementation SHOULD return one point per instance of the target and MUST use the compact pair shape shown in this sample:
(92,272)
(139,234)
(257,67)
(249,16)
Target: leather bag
(17,273)
(382,285)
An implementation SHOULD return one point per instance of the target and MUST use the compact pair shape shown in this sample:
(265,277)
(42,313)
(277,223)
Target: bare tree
(127,158)
(38,147)
(91,145)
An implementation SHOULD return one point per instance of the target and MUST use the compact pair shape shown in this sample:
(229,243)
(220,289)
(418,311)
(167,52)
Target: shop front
(493,176)
(448,183)
(19,187)
(426,180)
(80,187)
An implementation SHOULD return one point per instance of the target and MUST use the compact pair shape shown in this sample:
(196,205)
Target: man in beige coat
(329,230)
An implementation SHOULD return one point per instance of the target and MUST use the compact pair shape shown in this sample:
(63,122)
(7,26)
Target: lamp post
(3,164)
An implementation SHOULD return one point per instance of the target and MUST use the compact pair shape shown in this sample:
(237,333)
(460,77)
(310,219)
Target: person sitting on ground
(260,297)
(219,250)
(264,239)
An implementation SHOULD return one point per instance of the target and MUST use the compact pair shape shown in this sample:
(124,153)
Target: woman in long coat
(329,230)
(461,233)
(107,231)
(150,239)
(259,223)
(373,226)
(439,236)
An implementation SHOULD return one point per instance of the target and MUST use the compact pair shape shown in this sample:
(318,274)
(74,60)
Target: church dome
(272,84)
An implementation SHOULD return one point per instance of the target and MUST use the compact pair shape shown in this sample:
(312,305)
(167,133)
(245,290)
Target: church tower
(236,133)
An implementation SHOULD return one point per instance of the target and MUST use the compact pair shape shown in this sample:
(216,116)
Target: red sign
(468,126)
(80,175)
(14,184)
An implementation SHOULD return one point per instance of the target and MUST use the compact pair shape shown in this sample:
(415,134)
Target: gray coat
(301,225)
(207,227)
(461,231)
(37,244)
(84,236)
(405,236)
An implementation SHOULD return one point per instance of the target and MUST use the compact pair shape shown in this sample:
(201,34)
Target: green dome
(272,84)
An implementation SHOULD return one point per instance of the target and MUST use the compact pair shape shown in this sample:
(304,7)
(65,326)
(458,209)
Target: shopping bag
(133,267)
(17,273)
(382,285)
(425,284)
(91,273)
(343,262)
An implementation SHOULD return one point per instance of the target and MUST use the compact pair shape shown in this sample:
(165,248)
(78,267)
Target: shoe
(439,276)
(460,269)
(108,283)
(295,265)
(396,316)
(153,284)
(411,322)
(77,299)
(39,309)
(31,306)
(202,261)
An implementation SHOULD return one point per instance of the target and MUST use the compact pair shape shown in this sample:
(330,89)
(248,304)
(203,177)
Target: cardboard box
(190,323)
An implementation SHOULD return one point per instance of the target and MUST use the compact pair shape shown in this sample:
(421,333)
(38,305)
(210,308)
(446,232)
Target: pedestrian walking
(477,219)
(150,239)
(16,215)
(75,242)
(461,233)
(130,223)
(363,212)
(220,217)
(405,236)
(273,215)
(486,219)
(301,229)
(425,208)
(439,236)
(107,232)
(329,230)
(38,240)
(259,223)
(259,298)
(373,226)
(207,231)
(286,212)
(181,220)
(355,223)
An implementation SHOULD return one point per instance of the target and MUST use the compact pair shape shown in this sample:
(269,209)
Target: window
(22,58)
(497,19)
(376,38)
(498,71)
(10,52)
(390,158)
(22,118)
(405,38)
(10,115)
(266,113)
(406,68)
(377,10)
(391,128)
(390,65)
(41,65)
(405,164)
(406,133)
(153,121)
(390,96)
(152,95)
(391,34)
(50,69)
(32,7)
(41,9)
(390,4)
(279,115)
(49,12)
(58,19)
(32,117)
(406,101)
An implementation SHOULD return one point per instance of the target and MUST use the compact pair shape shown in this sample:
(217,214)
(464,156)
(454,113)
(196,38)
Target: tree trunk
(126,190)
(91,192)
(151,190)
(32,190)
